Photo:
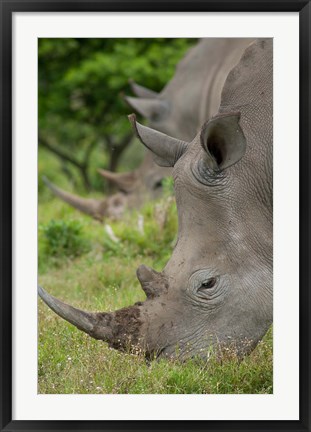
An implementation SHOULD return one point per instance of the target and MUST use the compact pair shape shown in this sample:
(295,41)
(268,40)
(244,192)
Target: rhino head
(216,289)
(213,289)
(193,94)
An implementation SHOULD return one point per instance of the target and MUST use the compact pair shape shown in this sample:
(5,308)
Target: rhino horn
(166,150)
(142,92)
(150,108)
(223,140)
(152,282)
(120,328)
(91,207)
(124,181)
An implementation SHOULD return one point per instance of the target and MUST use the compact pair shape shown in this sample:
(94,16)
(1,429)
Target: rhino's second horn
(152,282)
(167,150)
(141,91)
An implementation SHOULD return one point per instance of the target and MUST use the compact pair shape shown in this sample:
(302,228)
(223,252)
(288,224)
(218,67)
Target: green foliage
(168,186)
(149,233)
(81,82)
(63,239)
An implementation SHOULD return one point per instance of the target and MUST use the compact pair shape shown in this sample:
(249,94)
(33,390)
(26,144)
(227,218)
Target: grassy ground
(93,272)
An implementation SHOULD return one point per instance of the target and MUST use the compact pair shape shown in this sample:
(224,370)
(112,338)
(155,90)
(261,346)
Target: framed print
(155,215)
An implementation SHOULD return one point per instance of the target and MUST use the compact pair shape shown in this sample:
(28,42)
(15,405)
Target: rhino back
(249,90)
(194,92)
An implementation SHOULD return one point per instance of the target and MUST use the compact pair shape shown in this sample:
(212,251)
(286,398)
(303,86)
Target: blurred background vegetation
(82,116)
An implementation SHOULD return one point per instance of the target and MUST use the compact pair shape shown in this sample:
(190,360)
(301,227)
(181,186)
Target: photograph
(155,215)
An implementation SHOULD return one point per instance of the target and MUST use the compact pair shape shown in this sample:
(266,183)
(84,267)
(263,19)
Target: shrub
(168,186)
(64,239)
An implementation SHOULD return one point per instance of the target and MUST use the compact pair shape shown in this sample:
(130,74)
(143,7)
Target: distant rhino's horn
(166,150)
(151,108)
(124,181)
(142,92)
(89,206)
(120,328)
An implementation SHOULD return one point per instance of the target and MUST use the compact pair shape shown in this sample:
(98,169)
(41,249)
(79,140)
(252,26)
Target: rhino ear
(151,108)
(223,139)
(166,150)
(140,91)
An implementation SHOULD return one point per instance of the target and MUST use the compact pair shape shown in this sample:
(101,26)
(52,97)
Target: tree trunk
(82,167)
(116,151)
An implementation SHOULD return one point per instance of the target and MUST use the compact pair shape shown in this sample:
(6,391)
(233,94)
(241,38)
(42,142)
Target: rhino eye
(210,283)
(158,185)
(203,284)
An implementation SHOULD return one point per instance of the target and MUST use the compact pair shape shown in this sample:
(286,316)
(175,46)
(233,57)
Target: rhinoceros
(193,94)
(191,97)
(216,289)
(134,187)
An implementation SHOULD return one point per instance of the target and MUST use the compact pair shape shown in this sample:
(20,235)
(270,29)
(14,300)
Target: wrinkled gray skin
(191,97)
(217,287)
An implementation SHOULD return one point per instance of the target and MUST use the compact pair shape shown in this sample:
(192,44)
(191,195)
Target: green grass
(102,277)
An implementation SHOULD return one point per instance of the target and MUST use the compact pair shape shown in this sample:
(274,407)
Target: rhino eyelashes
(206,287)
(208,284)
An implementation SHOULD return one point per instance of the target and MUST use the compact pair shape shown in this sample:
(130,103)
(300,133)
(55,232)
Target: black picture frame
(7,9)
